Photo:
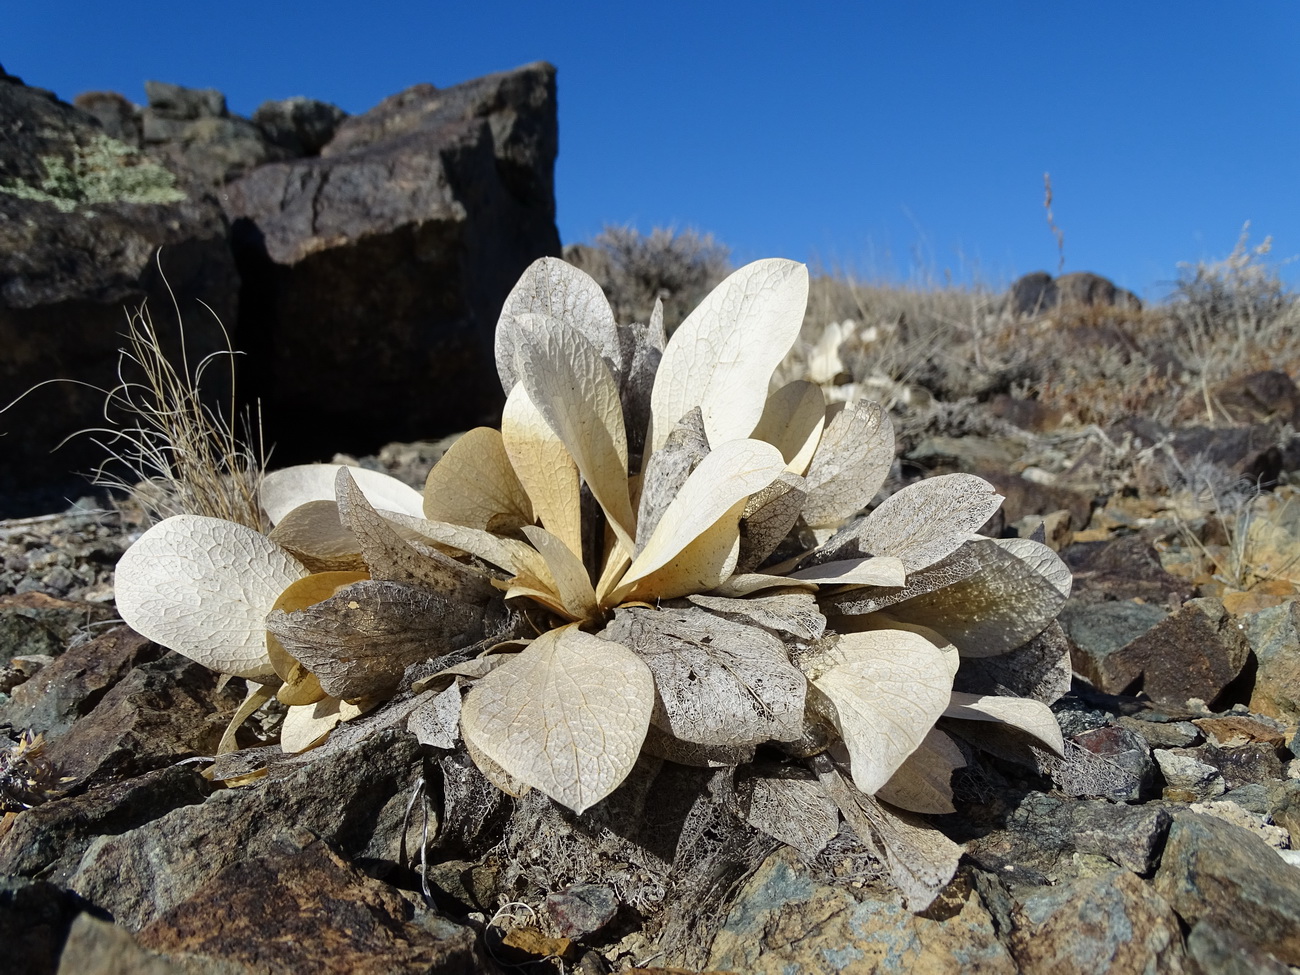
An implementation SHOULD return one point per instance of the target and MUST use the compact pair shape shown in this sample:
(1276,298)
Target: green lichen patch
(102,171)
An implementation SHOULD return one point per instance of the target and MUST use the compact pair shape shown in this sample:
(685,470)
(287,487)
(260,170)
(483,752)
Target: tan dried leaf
(853,459)
(768,517)
(358,642)
(722,357)
(202,587)
(788,615)
(923,783)
(921,861)
(437,723)
(473,484)
(1032,717)
(316,537)
(392,558)
(572,584)
(888,687)
(792,421)
(882,570)
(795,811)
(666,472)
(544,467)
(549,717)
(718,682)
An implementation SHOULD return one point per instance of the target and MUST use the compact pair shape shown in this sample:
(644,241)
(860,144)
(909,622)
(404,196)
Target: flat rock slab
(302,908)
(1216,872)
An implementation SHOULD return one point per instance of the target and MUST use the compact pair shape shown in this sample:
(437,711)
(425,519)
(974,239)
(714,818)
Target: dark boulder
(82,216)
(1038,292)
(374,274)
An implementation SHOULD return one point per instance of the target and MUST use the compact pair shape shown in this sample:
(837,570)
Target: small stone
(1126,750)
(1230,812)
(1186,778)
(1116,917)
(1214,871)
(1162,734)
(1230,730)
(1215,950)
(1243,765)
(1196,653)
(1274,635)
(581,910)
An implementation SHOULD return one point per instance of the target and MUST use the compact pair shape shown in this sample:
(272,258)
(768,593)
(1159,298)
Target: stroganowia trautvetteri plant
(681,547)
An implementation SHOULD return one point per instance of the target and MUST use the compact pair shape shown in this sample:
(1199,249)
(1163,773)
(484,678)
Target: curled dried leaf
(283,490)
(853,459)
(474,484)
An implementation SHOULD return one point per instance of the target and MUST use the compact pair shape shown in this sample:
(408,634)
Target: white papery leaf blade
(882,570)
(792,421)
(544,467)
(852,460)
(286,489)
(202,587)
(572,584)
(721,358)
(718,487)
(566,295)
(744,583)
(924,522)
(888,687)
(508,553)
(308,724)
(1032,717)
(795,811)
(474,484)
(923,783)
(1002,606)
(1042,560)
(313,533)
(573,389)
(550,717)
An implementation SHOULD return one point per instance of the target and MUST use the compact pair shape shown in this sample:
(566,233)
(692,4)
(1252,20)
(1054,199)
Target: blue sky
(901,141)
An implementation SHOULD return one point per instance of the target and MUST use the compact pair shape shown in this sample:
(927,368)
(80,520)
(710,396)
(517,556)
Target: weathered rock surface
(300,907)
(143,873)
(1039,292)
(1214,872)
(374,274)
(82,216)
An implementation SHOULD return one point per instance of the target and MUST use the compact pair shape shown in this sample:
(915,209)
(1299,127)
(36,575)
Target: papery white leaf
(437,723)
(744,583)
(722,357)
(569,297)
(882,570)
(795,811)
(544,467)
(1042,560)
(572,584)
(573,389)
(792,421)
(1032,717)
(789,614)
(712,496)
(888,687)
(308,725)
(921,861)
(567,715)
(996,609)
(508,553)
(768,517)
(473,484)
(718,682)
(1040,669)
(202,587)
(661,744)
(923,783)
(922,523)
(286,489)
(853,459)
(314,535)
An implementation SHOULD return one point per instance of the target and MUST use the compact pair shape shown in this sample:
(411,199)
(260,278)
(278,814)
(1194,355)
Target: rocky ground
(1163,844)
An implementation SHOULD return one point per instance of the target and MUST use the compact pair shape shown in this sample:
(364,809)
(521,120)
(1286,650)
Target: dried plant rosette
(654,554)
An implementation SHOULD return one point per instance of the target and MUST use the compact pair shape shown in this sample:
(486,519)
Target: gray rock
(785,920)
(1122,748)
(1161,734)
(1216,872)
(1101,628)
(581,910)
(96,947)
(1196,653)
(118,116)
(212,150)
(1215,950)
(300,126)
(177,101)
(75,682)
(1037,292)
(298,906)
(1112,923)
(1187,779)
(143,873)
(81,218)
(1274,636)
(34,920)
(381,266)
(49,839)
